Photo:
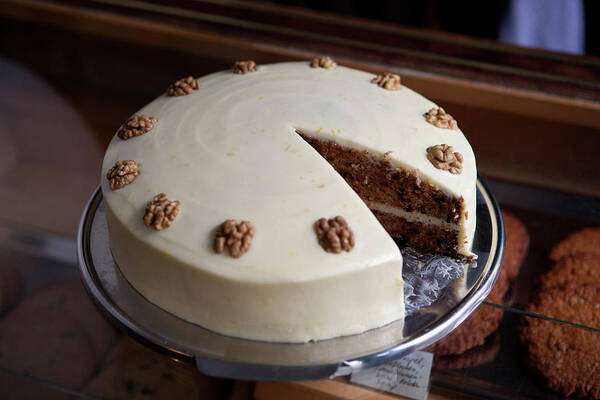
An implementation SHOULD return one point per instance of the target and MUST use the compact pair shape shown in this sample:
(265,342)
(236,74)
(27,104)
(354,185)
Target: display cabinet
(72,71)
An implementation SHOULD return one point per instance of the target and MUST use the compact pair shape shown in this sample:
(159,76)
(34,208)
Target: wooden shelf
(531,116)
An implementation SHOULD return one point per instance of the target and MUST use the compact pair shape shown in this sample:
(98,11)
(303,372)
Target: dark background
(468,17)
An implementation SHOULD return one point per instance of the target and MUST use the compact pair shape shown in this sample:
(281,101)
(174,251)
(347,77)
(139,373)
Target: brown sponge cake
(377,182)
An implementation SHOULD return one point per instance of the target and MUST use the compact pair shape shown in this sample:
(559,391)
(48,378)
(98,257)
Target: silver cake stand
(224,356)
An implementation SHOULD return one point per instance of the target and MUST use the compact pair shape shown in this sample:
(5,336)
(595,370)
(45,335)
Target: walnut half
(122,173)
(444,157)
(236,237)
(334,234)
(183,86)
(136,125)
(161,212)
(388,81)
(440,118)
(242,67)
(325,62)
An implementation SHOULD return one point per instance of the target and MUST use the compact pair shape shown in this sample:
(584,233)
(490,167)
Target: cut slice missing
(414,212)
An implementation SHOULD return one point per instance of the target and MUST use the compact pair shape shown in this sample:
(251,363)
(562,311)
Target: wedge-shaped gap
(414,213)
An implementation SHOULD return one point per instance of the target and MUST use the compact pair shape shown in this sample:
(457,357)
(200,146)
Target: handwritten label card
(408,376)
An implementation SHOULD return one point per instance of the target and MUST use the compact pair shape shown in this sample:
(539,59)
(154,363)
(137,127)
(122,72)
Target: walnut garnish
(388,81)
(323,62)
(183,86)
(161,212)
(241,67)
(440,118)
(444,157)
(334,234)
(122,173)
(237,237)
(136,125)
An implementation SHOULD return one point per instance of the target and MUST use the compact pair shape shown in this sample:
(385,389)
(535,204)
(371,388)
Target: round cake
(269,202)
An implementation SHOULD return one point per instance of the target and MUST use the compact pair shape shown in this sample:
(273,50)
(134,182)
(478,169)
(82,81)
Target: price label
(408,376)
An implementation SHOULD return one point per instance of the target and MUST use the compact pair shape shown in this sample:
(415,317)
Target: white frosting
(230,150)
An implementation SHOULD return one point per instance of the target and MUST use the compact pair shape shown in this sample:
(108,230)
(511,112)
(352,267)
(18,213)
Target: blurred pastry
(51,347)
(480,324)
(576,268)
(471,358)
(55,334)
(517,244)
(586,240)
(134,372)
(69,297)
(486,319)
(566,356)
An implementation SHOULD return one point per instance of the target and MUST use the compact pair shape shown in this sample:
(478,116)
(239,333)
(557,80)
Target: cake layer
(229,150)
(405,193)
(426,237)
(413,216)
(375,179)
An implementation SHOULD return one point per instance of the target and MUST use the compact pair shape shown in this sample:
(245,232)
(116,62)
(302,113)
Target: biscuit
(133,372)
(517,244)
(486,319)
(579,268)
(473,357)
(566,356)
(472,332)
(11,284)
(586,240)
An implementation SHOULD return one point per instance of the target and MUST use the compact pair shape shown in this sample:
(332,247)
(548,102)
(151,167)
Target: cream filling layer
(413,216)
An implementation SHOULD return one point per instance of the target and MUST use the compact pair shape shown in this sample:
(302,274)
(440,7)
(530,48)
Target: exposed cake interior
(415,213)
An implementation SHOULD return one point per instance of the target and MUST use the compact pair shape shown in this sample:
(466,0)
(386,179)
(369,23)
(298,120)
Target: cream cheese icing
(230,150)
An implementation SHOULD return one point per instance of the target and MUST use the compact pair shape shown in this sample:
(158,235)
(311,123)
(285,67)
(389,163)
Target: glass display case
(72,71)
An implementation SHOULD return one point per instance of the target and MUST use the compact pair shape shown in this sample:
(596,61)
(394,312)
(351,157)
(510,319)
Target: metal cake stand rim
(231,368)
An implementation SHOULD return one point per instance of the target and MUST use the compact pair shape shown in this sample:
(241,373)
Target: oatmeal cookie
(586,240)
(480,324)
(578,268)
(517,244)
(473,357)
(486,319)
(566,356)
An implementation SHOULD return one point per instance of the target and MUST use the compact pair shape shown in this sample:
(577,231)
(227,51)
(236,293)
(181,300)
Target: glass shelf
(92,66)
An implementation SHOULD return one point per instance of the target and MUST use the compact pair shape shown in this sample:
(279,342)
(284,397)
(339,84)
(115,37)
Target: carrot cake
(267,202)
